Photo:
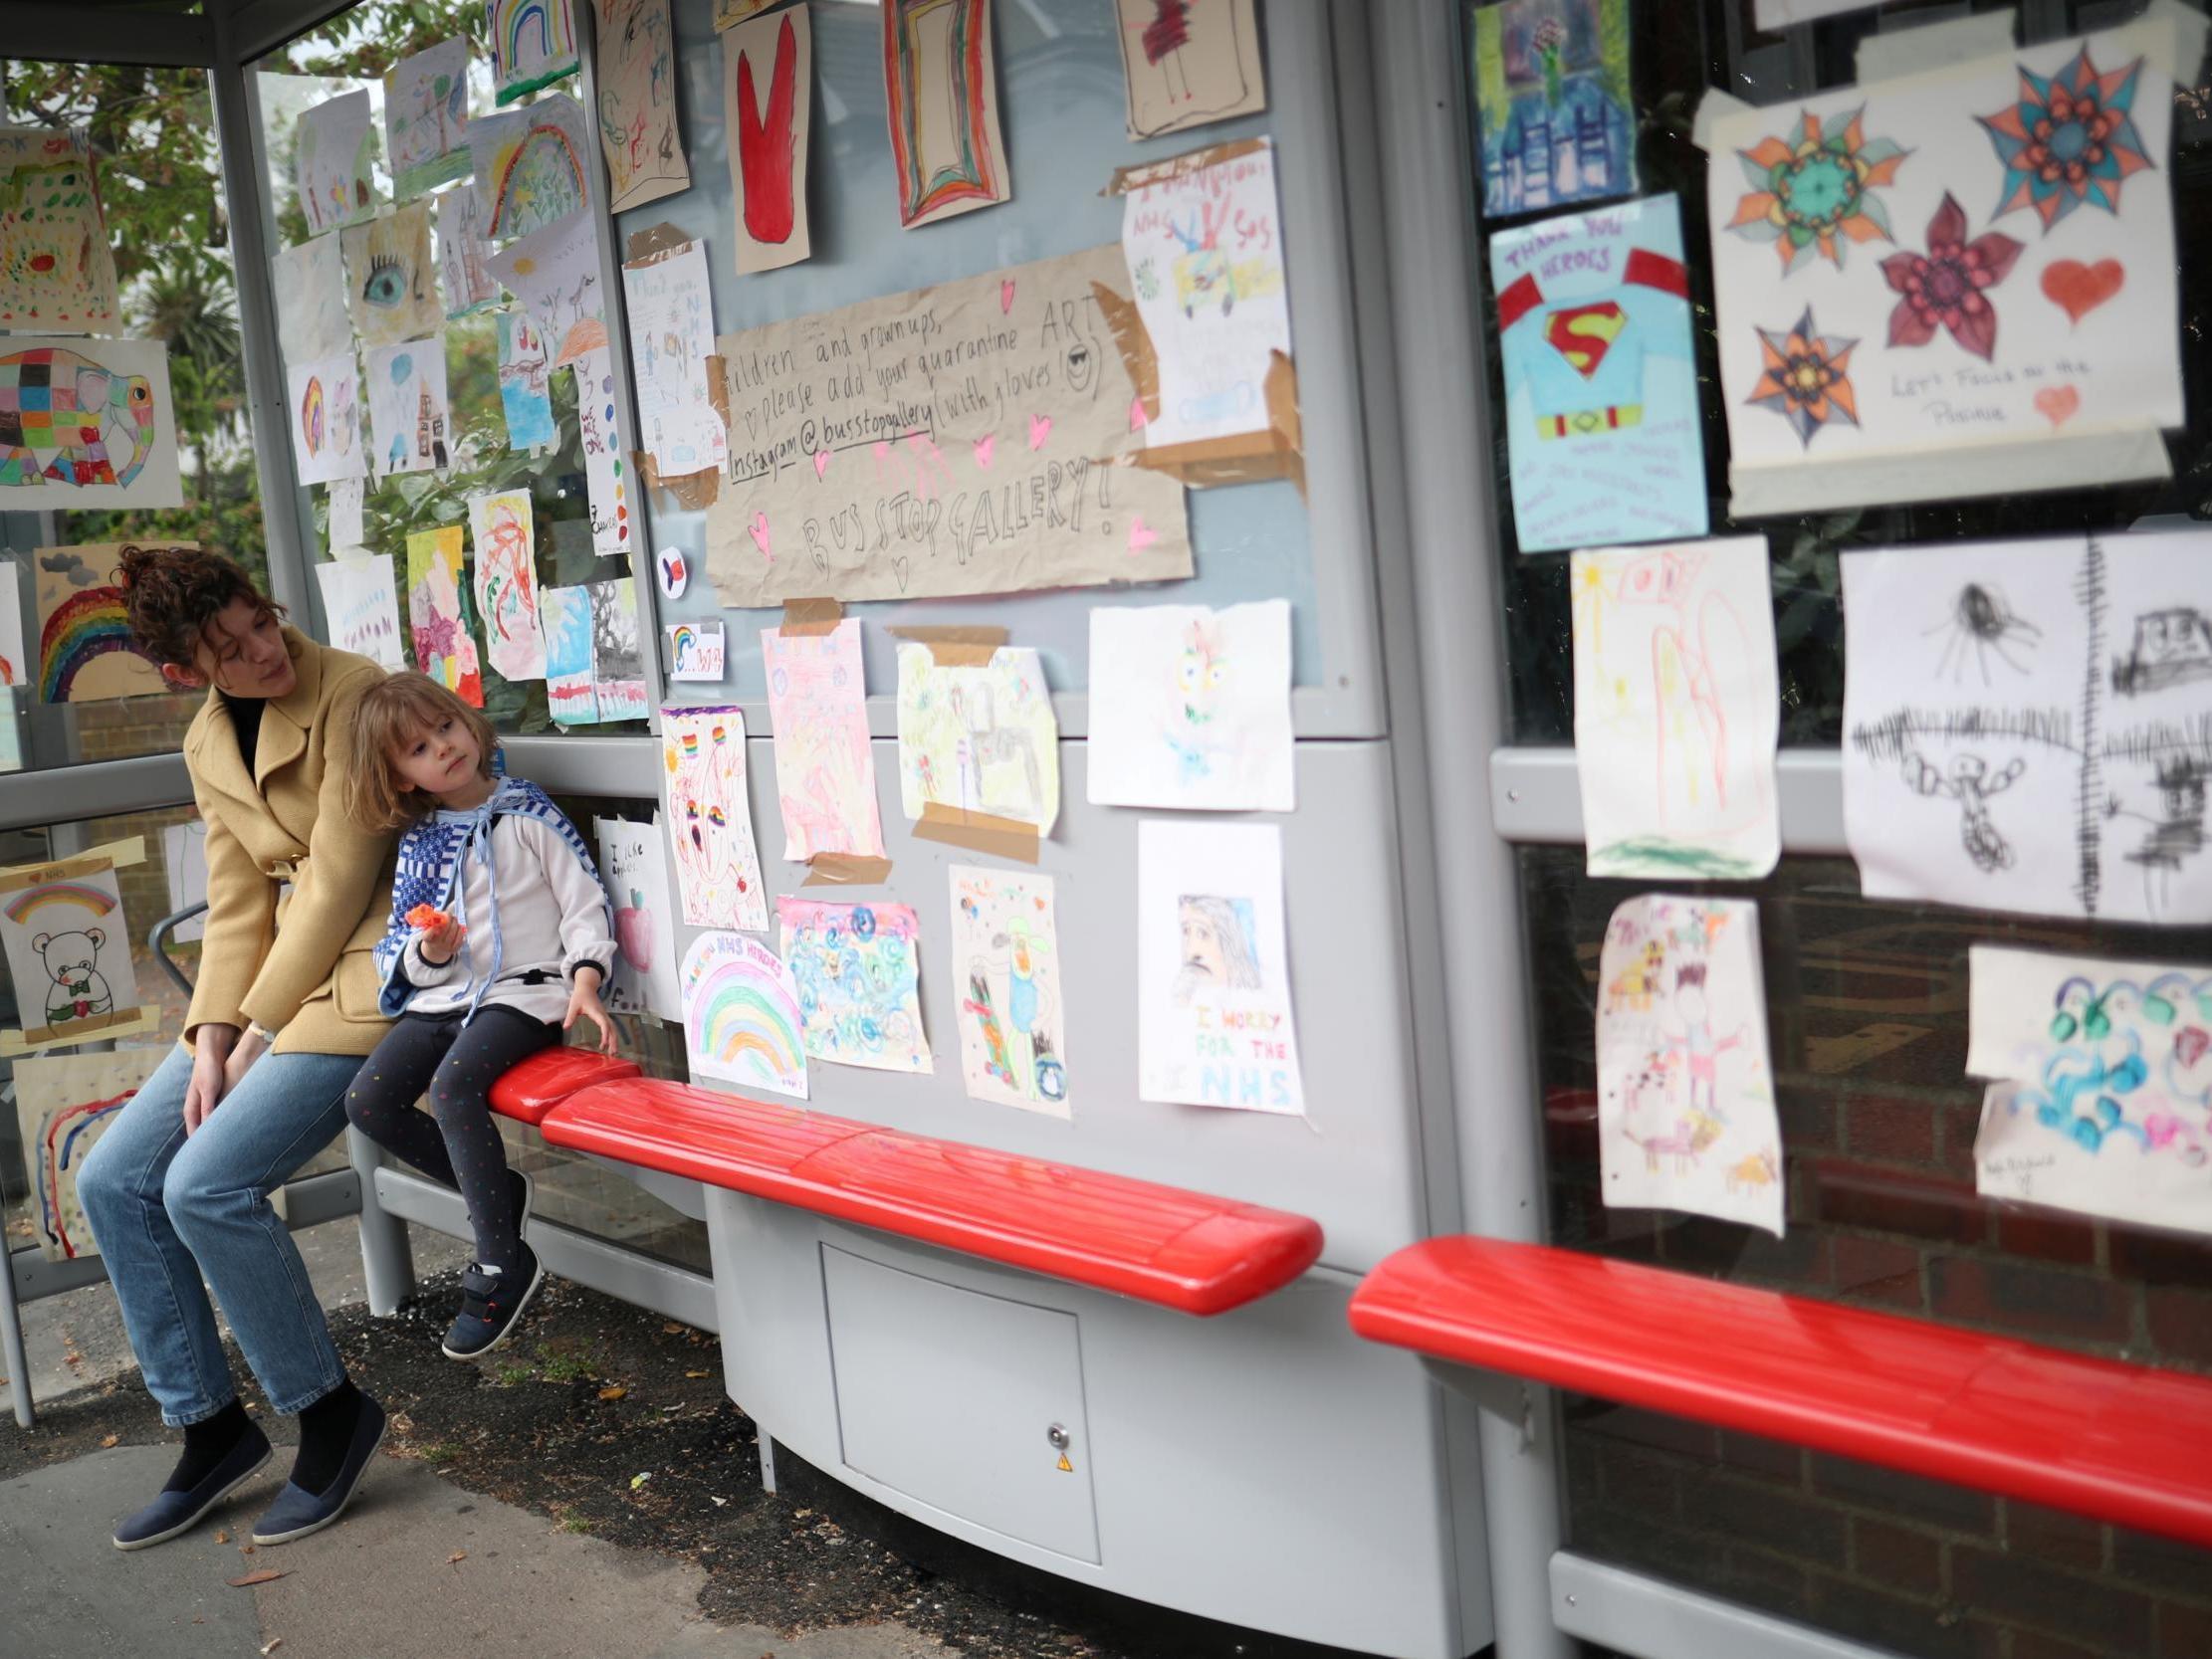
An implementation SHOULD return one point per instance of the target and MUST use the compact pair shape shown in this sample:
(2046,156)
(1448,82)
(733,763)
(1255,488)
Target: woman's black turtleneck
(245,720)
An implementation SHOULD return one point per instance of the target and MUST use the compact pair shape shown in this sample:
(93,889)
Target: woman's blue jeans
(168,1211)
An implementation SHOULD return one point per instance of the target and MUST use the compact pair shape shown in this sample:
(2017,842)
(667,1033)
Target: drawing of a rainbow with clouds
(741,1014)
(80,632)
(533,44)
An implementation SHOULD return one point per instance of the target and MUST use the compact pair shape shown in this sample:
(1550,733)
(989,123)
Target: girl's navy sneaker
(491,1302)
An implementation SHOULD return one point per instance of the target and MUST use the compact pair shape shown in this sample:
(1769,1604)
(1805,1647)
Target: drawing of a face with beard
(1219,949)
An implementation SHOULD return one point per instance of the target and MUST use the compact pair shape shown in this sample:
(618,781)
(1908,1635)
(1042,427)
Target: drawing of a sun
(1981,624)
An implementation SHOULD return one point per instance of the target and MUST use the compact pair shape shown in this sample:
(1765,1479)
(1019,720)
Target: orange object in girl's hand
(423,918)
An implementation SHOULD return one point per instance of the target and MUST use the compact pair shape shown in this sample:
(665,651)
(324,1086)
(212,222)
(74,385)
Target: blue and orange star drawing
(2070,139)
(1804,377)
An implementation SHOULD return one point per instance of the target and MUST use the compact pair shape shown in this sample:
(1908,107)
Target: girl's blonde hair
(394,712)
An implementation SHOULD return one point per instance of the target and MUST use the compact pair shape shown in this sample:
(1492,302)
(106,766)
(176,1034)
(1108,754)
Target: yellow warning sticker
(1066,1468)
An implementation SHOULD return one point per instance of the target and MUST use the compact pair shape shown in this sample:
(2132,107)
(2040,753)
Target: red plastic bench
(2111,1441)
(1159,1244)
(531,1090)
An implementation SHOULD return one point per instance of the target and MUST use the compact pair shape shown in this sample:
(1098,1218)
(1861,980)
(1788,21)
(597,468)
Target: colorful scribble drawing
(1816,192)
(1685,1100)
(637,102)
(63,1105)
(2070,139)
(445,649)
(742,1020)
(1949,286)
(69,420)
(2129,1063)
(57,267)
(1013,1013)
(1553,102)
(979,739)
(564,613)
(825,771)
(502,527)
(710,818)
(941,93)
(1805,377)
(857,969)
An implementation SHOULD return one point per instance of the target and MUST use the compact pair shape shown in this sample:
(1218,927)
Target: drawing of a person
(1699,1049)
(1218,949)
(1970,783)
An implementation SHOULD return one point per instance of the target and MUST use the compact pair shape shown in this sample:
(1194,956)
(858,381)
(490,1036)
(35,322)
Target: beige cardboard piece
(955,647)
(968,438)
(846,869)
(979,832)
(804,617)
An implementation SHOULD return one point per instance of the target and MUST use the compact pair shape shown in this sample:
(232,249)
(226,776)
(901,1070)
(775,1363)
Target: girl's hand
(439,943)
(211,1050)
(584,1000)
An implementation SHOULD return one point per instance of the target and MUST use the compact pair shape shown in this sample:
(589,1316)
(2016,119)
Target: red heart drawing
(2079,289)
(2056,405)
(1583,334)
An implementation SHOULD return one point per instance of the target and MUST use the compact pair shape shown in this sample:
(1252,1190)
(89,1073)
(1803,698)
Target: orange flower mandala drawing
(1804,377)
(1818,191)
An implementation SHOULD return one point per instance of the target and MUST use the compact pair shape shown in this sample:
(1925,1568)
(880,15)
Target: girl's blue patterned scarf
(431,857)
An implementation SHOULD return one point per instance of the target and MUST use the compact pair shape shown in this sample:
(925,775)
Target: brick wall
(1867,1024)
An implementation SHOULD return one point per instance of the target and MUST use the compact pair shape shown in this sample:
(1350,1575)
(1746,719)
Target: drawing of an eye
(386,284)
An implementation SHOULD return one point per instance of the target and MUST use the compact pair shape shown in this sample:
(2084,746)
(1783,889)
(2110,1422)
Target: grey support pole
(388,1258)
(11,1345)
(1449,506)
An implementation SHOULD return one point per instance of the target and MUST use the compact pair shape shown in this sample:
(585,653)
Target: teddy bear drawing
(80,990)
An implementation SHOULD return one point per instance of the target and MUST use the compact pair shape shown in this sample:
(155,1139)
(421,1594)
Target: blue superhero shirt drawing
(1601,392)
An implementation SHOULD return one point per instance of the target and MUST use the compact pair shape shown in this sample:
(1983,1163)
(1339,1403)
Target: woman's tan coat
(302,968)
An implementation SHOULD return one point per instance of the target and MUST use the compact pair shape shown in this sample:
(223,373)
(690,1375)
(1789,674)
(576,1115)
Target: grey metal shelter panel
(1352,1163)
(1062,112)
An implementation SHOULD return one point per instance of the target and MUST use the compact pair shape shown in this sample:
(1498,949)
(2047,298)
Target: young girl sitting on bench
(500,938)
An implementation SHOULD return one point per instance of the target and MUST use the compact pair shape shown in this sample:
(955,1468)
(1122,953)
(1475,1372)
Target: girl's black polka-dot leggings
(455,1142)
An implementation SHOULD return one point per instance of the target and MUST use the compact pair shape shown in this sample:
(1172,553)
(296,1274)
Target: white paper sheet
(672,333)
(331,164)
(310,286)
(185,860)
(710,818)
(1676,710)
(2103,1101)
(533,165)
(463,272)
(634,59)
(361,609)
(634,862)
(1214,998)
(695,650)
(1205,257)
(121,450)
(344,498)
(554,275)
(68,946)
(2028,724)
(1686,1094)
(411,422)
(740,1015)
(326,415)
(1007,988)
(979,739)
(1854,365)
(1191,707)
(13,660)
(63,1105)
(825,768)
(606,464)
(426,117)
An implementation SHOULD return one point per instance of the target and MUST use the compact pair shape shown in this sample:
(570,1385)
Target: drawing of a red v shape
(766,143)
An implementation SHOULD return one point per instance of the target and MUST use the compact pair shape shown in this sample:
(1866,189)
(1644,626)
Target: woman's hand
(251,1046)
(441,941)
(584,1000)
(211,1052)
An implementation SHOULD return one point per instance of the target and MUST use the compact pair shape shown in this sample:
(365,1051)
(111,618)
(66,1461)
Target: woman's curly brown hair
(174,592)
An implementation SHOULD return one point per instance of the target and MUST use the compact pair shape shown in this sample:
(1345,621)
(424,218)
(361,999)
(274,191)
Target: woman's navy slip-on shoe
(179,1512)
(296,1512)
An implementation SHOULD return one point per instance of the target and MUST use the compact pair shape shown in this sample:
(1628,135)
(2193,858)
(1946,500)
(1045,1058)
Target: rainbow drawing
(75,895)
(741,1014)
(311,415)
(84,628)
(533,44)
(59,1144)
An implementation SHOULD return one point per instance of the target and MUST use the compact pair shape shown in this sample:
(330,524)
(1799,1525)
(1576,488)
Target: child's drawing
(1189,62)
(1685,1096)
(825,769)
(696,651)
(672,334)
(979,740)
(565,615)
(463,253)
(1215,1024)
(1010,994)
(857,969)
(1603,429)
(502,529)
(326,416)
(331,163)
(1191,707)
(361,607)
(605,464)
(633,860)
(554,275)
(1916,276)
(445,649)
(525,390)
(740,1015)
(1551,92)
(67,946)
(2102,1098)
(531,166)
(57,267)
(1676,710)
(533,44)
(2027,725)
(86,650)
(392,279)
(309,280)
(63,1105)
(941,90)
(1205,250)
(636,67)
(86,423)
(768,96)
(411,422)
(710,818)
(426,117)
(618,655)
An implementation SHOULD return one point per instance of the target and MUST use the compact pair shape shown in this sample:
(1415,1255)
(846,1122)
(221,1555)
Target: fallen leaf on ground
(699,1373)
(271,1646)
(222,1537)
(671,1328)
(612,1391)
(108,1440)
(457,1555)
(262,1578)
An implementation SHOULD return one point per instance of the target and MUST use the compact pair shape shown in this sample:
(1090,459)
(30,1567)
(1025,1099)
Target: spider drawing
(1981,624)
